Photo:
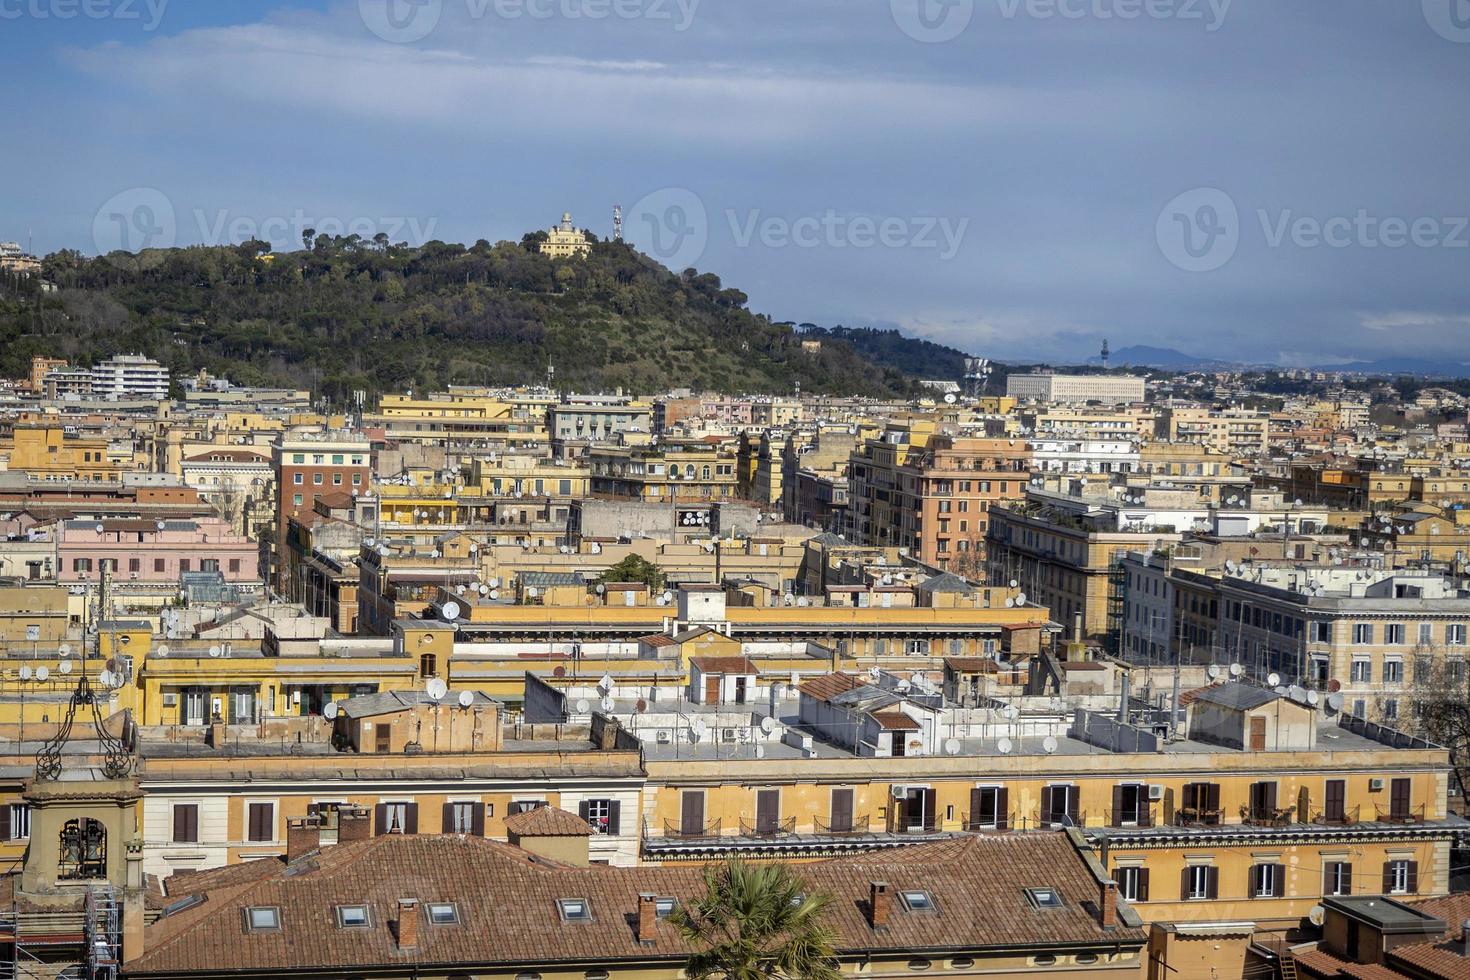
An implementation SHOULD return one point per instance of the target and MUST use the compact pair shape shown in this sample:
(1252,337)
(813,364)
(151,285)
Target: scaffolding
(83,944)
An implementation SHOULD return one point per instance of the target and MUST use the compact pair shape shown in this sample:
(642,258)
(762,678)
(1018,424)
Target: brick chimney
(303,835)
(1107,904)
(354,823)
(880,904)
(647,917)
(408,923)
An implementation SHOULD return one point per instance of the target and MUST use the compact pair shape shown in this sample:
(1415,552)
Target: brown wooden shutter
(1184,885)
(1213,792)
(1328,871)
(411,818)
(584,810)
(1347,879)
(975,798)
(477,819)
(1212,883)
(614,816)
(1143,884)
(446,819)
(1117,820)
(1413,877)
(1073,799)
(5,822)
(1145,808)
(380,819)
(841,819)
(1387,878)
(1003,809)
(260,822)
(1399,798)
(1278,880)
(1270,796)
(1045,804)
(1190,798)
(931,819)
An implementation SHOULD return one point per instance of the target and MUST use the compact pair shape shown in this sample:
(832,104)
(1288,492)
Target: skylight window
(352,916)
(916,900)
(263,918)
(664,907)
(574,909)
(1044,898)
(443,913)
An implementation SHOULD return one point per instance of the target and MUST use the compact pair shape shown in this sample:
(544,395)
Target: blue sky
(1279,180)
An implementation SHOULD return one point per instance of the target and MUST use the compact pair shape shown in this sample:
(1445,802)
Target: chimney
(647,917)
(1108,904)
(880,904)
(1465,937)
(303,835)
(408,923)
(353,823)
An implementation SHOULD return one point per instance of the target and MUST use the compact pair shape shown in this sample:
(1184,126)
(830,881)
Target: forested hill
(920,358)
(349,314)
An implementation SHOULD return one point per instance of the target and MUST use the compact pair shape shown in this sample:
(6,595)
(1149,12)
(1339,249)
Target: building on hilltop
(565,241)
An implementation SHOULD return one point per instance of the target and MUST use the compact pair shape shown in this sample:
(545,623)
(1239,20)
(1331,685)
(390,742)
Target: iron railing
(856,825)
(767,828)
(678,829)
(1340,817)
(1393,814)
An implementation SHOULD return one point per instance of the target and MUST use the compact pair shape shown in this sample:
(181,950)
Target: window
(917,901)
(1401,877)
(1200,882)
(1132,884)
(1454,634)
(1394,633)
(1391,709)
(1321,631)
(17,821)
(158,565)
(443,913)
(397,818)
(664,907)
(1362,633)
(262,918)
(1393,671)
(460,819)
(602,815)
(1044,898)
(316,479)
(1337,878)
(352,916)
(1267,881)
(1130,806)
(186,823)
(135,564)
(296,499)
(574,910)
(1426,634)
(262,822)
(1362,670)
(299,479)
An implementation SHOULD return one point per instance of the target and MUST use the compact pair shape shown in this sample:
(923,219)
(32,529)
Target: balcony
(1128,818)
(692,832)
(1266,816)
(857,825)
(1196,816)
(767,827)
(987,823)
(1337,817)
(1400,814)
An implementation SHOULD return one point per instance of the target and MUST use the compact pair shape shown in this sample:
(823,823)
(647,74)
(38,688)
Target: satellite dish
(450,611)
(1334,685)
(1297,694)
(329,712)
(700,728)
(1014,583)
(1236,670)
(1012,712)
(1316,915)
(559,671)
(436,689)
(1313,698)
(42,673)
(583,706)
(668,596)
(952,746)
(64,649)
(532,592)
(64,666)
(1020,598)
(1212,671)
(768,725)
(1049,744)
(1004,746)
(601,589)
(25,673)
(1334,701)
(1273,679)
(159,525)
(99,528)
(466,699)
(494,583)
(494,594)
(640,706)
(606,683)
(216,651)
(1010,603)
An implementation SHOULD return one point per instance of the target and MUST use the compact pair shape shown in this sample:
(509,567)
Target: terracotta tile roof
(895,721)
(547,821)
(828,686)
(1319,962)
(972,665)
(657,640)
(507,903)
(724,665)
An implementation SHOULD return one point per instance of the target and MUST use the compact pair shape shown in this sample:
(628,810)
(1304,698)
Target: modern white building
(1109,389)
(130,376)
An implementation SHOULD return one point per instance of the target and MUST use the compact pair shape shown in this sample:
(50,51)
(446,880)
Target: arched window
(83,849)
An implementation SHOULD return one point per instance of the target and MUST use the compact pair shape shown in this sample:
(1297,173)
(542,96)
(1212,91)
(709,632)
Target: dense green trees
(349,313)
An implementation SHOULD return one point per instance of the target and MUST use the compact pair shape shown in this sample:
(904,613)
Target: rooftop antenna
(617,222)
(1106,354)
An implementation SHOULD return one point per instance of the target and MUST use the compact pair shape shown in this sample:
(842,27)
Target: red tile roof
(895,721)
(547,821)
(828,686)
(724,665)
(507,903)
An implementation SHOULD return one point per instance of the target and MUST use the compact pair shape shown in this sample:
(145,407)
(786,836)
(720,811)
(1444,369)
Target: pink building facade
(154,552)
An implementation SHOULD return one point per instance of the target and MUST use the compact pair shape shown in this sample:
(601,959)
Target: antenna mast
(1106,354)
(617,222)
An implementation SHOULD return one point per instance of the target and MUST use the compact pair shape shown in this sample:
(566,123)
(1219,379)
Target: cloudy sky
(1278,180)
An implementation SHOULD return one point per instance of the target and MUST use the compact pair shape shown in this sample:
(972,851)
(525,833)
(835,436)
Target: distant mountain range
(1176,360)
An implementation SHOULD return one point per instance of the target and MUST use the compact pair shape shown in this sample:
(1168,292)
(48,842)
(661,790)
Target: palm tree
(757,922)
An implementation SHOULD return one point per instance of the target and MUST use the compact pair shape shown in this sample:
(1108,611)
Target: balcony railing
(987,822)
(1198,816)
(857,825)
(1129,818)
(678,829)
(767,828)
(1266,816)
(1392,814)
(1344,817)
(1039,820)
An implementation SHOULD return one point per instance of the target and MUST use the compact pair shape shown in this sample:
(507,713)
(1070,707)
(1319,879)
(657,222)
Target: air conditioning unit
(1375,785)
(900,792)
(662,738)
(170,700)
(1156,793)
